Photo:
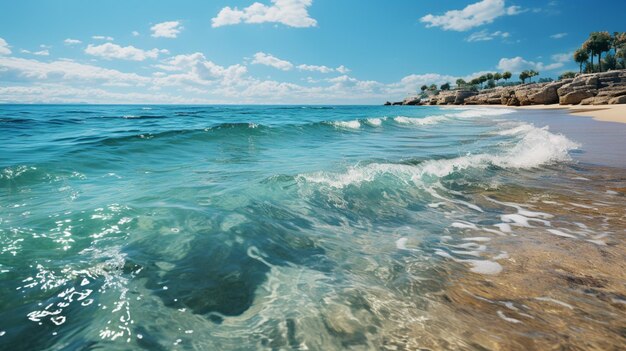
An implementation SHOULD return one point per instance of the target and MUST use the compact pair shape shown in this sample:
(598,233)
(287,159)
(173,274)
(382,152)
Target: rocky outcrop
(586,89)
(412,100)
(575,97)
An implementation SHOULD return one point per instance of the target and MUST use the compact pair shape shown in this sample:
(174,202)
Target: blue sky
(279,51)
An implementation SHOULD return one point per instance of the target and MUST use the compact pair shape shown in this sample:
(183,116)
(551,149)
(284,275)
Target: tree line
(598,43)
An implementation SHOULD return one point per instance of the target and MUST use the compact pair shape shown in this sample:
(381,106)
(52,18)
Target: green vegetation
(528,75)
(598,43)
(610,50)
(567,75)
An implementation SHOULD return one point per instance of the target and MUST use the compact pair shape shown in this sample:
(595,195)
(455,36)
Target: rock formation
(586,89)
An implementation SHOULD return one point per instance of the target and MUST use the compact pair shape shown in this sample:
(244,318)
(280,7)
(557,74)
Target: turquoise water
(257,227)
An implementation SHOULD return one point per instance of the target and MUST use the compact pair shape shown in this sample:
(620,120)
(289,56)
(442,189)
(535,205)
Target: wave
(464,113)
(537,147)
(420,121)
(355,124)
(375,122)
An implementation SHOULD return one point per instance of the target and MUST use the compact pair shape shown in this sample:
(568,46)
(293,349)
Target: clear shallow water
(248,227)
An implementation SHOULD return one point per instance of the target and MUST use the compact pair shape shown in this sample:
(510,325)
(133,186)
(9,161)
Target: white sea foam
(347,124)
(537,147)
(420,121)
(477,266)
(375,122)
(562,234)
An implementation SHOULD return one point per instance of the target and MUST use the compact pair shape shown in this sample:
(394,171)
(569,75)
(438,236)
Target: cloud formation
(558,35)
(70,41)
(484,35)
(102,37)
(114,51)
(518,64)
(473,15)
(292,13)
(27,70)
(261,58)
(169,29)
(4,47)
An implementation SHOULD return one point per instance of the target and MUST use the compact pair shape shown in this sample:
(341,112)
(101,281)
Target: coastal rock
(575,97)
(613,91)
(618,100)
(461,95)
(411,100)
(587,89)
(446,99)
(596,100)
(387,103)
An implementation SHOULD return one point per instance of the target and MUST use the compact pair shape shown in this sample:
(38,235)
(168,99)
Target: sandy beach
(605,113)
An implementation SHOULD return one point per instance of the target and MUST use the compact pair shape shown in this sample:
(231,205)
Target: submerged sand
(559,290)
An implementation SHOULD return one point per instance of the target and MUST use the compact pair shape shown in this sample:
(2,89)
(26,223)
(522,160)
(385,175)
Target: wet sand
(555,292)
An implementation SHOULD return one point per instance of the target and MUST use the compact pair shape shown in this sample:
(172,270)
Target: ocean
(305,227)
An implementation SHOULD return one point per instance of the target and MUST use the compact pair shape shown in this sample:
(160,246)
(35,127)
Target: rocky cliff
(585,89)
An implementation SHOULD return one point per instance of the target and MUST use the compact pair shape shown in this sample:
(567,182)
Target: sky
(280,51)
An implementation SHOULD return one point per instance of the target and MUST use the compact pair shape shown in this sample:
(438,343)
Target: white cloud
(484,35)
(19,69)
(293,13)
(135,33)
(169,29)
(323,69)
(38,53)
(518,64)
(4,47)
(474,15)
(314,68)
(102,37)
(558,35)
(342,69)
(70,41)
(196,69)
(261,58)
(114,51)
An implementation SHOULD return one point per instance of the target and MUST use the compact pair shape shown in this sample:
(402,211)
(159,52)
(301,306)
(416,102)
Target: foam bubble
(347,124)
(420,121)
(560,233)
(374,122)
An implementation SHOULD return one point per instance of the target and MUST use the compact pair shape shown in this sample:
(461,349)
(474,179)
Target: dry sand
(606,113)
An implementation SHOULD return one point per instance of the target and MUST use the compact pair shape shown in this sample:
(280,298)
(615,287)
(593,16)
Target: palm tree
(597,43)
(523,76)
(482,79)
(497,76)
(506,75)
(531,74)
(460,82)
(617,41)
(581,56)
(424,87)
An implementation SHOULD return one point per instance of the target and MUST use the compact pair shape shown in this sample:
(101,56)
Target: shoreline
(602,113)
